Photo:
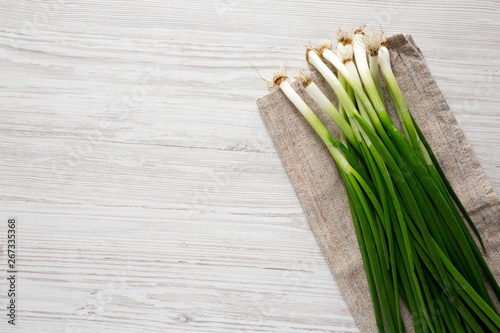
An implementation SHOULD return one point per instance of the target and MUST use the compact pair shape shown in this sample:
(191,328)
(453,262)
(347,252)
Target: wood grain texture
(148,193)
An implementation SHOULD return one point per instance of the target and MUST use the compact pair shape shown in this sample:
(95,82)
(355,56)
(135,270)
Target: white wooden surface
(148,194)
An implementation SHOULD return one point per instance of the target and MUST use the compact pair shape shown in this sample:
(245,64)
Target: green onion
(413,240)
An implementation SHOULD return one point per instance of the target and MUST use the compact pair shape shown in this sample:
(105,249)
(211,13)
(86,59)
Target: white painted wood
(148,194)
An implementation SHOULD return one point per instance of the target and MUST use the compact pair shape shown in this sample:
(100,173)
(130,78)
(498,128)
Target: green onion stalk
(413,240)
(384,173)
(424,187)
(365,208)
(417,140)
(414,134)
(461,243)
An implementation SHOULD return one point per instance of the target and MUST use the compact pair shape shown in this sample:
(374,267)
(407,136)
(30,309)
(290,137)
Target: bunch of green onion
(414,242)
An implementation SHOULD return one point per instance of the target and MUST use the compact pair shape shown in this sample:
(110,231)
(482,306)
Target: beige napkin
(321,189)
